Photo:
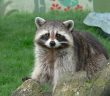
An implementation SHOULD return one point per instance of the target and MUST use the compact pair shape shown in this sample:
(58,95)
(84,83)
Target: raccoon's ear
(69,24)
(39,21)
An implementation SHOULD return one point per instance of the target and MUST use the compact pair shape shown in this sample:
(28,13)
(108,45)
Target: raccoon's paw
(25,78)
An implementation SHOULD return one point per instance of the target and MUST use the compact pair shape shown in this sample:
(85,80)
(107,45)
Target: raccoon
(60,49)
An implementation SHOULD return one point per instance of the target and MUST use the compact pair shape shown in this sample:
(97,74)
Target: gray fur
(82,53)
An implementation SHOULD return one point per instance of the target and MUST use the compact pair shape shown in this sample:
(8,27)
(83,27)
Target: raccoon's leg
(35,74)
(42,73)
(37,71)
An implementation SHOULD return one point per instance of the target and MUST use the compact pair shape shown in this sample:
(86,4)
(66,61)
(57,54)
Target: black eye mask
(60,38)
(45,36)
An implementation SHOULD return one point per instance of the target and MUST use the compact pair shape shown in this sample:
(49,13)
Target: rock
(28,88)
(71,85)
(78,85)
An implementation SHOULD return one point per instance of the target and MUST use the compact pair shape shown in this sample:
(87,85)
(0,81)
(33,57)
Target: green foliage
(16,45)
(3,6)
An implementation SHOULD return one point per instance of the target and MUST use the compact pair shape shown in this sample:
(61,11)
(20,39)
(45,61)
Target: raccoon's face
(54,34)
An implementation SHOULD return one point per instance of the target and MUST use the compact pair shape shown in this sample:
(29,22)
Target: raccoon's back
(90,53)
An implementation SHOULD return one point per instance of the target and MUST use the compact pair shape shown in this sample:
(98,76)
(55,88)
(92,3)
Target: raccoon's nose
(52,43)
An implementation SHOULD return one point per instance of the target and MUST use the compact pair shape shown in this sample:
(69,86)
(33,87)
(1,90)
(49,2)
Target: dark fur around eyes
(41,42)
(45,36)
(60,37)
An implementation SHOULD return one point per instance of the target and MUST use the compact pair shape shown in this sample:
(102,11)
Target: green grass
(16,45)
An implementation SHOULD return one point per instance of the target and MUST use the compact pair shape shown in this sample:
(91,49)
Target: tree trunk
(71,85)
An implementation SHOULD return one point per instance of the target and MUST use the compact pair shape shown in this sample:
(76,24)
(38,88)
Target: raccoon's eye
(60,37)
(45,36)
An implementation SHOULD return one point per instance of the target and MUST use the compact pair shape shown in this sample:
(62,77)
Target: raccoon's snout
(52,43)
